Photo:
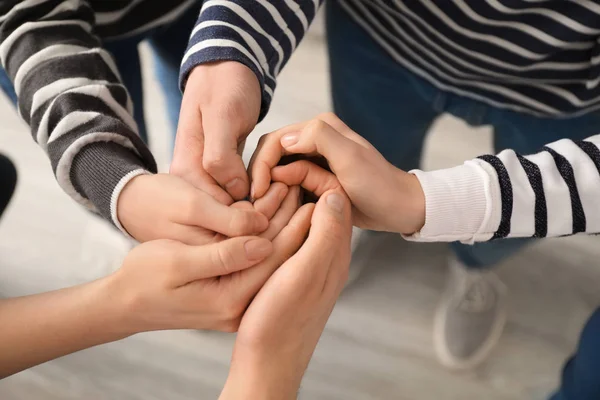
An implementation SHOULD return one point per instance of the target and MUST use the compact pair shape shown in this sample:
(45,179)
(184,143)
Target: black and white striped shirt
(534,56)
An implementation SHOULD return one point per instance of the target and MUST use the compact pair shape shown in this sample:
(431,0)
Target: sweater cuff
(99,173)
(461,204)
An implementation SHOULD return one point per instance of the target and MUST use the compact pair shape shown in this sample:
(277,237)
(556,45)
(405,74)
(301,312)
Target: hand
(384,198)
(221,105)
(169,285)
(282,326)
(164,206)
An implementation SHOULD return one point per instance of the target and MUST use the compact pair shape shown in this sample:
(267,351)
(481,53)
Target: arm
(162,284)
(228,76)
(259,34)
(280,330)
(551,193)
(70,94)
(42,327)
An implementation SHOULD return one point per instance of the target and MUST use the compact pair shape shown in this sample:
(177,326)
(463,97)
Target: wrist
(126,198)
(410,200)
(106,316)
(115,306)
(255,377)
(115,203)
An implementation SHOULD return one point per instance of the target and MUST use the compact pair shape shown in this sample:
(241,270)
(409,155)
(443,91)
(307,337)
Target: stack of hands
(271,268)
(234,265)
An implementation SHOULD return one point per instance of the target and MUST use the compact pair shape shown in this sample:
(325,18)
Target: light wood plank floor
(378,342)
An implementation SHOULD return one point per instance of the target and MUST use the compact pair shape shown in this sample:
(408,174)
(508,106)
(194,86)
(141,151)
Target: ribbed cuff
(114,212)
(459,204)
(98,172)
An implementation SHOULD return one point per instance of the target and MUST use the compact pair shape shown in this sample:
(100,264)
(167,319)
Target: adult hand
(282,326)
(170,285)
(384,198)
(221,106)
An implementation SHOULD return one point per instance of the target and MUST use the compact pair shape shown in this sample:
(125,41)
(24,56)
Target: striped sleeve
(555,192)
(69,92)
(260,34)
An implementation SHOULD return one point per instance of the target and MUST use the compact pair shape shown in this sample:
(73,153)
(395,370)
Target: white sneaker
(470,317)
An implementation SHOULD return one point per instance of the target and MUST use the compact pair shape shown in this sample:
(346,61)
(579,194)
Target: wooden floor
(378,343)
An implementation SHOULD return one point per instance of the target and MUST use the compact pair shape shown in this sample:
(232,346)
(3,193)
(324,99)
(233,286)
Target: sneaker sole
(443,354)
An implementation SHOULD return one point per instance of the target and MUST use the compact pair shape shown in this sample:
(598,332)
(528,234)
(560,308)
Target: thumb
(223,258)
(221,157)
(331,230)
(318,137)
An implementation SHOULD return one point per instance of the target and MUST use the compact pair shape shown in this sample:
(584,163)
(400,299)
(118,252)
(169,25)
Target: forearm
(39,328)
(260,34)
(69,92)
(551,193)
(261,382)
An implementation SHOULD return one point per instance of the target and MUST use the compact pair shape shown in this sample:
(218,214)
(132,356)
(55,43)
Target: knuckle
(214,160)
(189,207)
(223,259)
(241,224)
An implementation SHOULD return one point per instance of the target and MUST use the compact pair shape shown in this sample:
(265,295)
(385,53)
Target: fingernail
(258,249)
(252,192)
(232,183)
(336,202)
(290,139)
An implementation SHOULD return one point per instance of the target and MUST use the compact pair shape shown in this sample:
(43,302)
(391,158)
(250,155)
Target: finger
(243,205)
(223,258)
(210,187)
(221,158)
(306,174)
(272,200)
(336,123)
(204,211)
(325,256)
(285,245)
(319,137)
(189,151)
(190,235)
(267,154)
(284,214)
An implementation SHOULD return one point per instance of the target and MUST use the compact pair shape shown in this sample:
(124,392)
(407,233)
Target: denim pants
(393,108)
(168,44)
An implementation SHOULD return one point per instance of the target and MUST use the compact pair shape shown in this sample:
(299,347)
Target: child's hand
(282,326)
(165,284)
(383,197)
(164,206)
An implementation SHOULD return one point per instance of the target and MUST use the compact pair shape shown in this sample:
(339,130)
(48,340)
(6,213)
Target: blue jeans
(394,109)
(580,378)
(168,44)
